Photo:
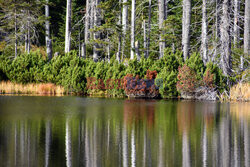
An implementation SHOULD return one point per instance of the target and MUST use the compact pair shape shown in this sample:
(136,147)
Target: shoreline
(238,93)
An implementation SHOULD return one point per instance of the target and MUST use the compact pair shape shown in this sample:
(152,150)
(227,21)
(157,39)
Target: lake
(78,131)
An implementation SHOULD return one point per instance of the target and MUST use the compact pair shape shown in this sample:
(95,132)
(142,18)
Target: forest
(187,48)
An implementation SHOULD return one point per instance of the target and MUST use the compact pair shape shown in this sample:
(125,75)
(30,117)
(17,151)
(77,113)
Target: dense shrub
(187,80)
(138,87)
(167,78)
(72,73)
(195,63)
(4,67)
(208,79)
(134,67)
(114,77)
(166,81)
(218,77)
(67,71)
(26,68)
(170,61)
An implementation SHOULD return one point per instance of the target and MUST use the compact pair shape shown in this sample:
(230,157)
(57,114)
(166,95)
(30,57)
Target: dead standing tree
(186,23)
(246,32)
(68,26)
(19,21)
(225,39)
(47,32)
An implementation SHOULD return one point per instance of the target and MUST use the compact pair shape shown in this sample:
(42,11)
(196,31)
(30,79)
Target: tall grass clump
(32,88)
(240,92)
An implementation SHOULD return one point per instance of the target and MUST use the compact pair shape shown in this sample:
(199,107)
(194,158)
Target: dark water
(74,131)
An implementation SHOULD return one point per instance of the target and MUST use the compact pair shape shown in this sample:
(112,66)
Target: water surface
(77,131)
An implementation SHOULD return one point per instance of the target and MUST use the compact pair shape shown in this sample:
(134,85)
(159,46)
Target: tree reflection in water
(101,132)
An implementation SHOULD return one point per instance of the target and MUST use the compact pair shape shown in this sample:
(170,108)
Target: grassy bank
(239,92)
(38,89)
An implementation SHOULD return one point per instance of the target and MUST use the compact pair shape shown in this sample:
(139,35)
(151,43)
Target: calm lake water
(77,131)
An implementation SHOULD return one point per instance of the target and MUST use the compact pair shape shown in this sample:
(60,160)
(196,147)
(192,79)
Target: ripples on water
(74,131)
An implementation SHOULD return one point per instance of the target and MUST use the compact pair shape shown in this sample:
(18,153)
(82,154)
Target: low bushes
(187,81)
(137,87)
(75,74)
(195,85)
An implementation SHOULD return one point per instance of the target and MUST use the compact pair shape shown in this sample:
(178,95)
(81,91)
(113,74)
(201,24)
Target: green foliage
(5,63)
(68,71)
(90,68)
(26,68)
(72,72)
(195,63)
(166,81)
(115,70)
(170,61)
(219,78)
(167,74)
(135,68)
(187,79)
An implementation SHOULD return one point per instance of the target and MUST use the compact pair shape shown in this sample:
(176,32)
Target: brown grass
(40,89)
(240,92)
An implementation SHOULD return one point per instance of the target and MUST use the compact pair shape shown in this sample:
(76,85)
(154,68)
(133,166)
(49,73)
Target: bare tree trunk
(149,26)
(145,38)
(124,25)
(225,39)
(83,50)
(97,23)
(132,49)
(186,23)
(15,35)
(166,8)
(204,32)
(118,54)
(217,28)
(79,42)
(47,29)
(68,26)
(246,32)
(92,14)
(108,51)
(27,34)
(137,50)
(161,5)
(236,21)
(87,21)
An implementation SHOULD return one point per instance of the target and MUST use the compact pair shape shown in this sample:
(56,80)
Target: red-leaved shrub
(187,81)
(151,74)
(208,79)
(136,87)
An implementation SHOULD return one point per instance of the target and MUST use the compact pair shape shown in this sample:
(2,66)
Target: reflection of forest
(144,133)
(136,111)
